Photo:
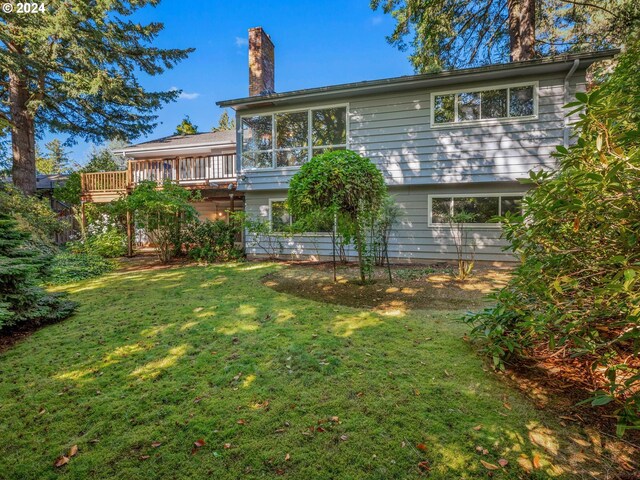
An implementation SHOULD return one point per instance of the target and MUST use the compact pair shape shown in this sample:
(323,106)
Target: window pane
(256,133)
(257,160)
(444,108)
(292,129)
(512,205)
(440,209)
(483,209)
(291,158)
(280,218)
(494,103)
(521,104)
(329,126)
(469,106)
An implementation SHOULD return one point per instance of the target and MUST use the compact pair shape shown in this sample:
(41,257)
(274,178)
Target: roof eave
(543,65)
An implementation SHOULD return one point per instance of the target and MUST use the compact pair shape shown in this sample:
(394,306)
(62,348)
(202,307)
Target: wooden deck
(204,172)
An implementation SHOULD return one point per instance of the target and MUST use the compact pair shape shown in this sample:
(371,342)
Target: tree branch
(592,5)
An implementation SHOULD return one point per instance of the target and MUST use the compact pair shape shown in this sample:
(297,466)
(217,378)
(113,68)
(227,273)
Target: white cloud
(185,95)
(241,42)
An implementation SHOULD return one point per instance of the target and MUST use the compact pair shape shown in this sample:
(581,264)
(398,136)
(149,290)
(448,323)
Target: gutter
(169,149)
(565,132)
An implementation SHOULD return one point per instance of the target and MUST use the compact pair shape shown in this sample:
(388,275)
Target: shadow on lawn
(213,327)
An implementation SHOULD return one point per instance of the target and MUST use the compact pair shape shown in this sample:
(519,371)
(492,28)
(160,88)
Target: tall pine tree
(72,70)
(21,300)
(442,34)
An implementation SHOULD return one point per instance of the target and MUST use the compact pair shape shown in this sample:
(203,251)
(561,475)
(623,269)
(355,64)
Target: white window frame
(430,223)
(486,121)
(274,149)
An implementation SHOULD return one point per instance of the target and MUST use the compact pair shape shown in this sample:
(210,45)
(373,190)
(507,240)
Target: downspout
(565,132)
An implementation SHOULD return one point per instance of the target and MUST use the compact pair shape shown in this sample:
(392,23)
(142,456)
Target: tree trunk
(522,29)
(22,137)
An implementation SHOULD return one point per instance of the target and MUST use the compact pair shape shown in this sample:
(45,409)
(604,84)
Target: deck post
(83,220)
(129,234)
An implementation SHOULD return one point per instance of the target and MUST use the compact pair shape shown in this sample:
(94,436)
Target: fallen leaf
(536,461)
(73,451)
(421,446)
(279,471)
(479,449)
(485,451)
(507,405)
(477,427)
(343,438)
(489,466)
(143,457)
(237,377)
(320,429)
(199,443)
(227,446)
(424,466)
(60,461)
(156,444)
(197,400)
(334,419)
(241,422)
(287,457)
(503,462)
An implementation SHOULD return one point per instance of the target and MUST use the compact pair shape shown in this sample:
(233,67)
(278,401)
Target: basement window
(483,207)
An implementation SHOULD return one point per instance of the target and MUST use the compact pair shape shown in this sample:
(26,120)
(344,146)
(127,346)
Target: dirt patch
(415,287)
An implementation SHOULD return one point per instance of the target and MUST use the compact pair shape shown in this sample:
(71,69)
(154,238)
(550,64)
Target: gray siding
(395,131)
(413,239)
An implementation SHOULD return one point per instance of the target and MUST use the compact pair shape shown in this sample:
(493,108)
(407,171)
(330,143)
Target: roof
(490,72)
(48,182)
(43,182)
(222,138)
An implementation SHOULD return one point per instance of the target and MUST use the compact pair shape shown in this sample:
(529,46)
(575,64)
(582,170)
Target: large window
(288,139)
(483,208)
(484,104)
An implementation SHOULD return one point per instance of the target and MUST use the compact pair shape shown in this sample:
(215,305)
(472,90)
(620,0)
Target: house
(445,142)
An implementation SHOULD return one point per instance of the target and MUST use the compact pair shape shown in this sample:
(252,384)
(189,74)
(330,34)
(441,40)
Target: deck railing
(186,171)
(104,181)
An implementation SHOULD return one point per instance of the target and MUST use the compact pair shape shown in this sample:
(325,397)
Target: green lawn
(173,356)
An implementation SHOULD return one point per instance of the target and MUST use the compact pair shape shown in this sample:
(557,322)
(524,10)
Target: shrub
(577,291)
(21,300)
(110,244)
(33,215)
(72,267)
(213,241)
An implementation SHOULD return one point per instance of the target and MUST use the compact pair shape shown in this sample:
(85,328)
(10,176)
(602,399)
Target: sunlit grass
(173,356)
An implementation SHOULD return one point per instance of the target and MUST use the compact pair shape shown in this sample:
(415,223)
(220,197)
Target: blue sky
(317,43)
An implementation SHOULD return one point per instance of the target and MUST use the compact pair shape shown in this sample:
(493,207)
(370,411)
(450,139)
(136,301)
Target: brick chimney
(261,63)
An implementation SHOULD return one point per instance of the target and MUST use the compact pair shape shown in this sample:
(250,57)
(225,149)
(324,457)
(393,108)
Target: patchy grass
(275,385)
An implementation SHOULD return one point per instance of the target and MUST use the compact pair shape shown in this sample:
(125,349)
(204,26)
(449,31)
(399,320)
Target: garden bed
(413,287)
